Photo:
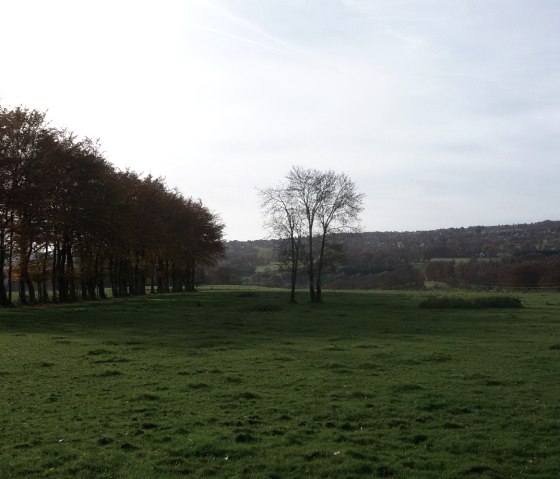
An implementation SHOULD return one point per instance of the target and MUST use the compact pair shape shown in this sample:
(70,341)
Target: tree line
(71,223)
(490,257)
(535,271)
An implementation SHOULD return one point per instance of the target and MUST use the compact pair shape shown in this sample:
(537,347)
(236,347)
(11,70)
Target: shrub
(457,302)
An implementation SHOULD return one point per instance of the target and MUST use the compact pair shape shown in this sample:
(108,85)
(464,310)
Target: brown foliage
(69,219)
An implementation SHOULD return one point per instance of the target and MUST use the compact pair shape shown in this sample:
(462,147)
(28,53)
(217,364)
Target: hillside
(520,256)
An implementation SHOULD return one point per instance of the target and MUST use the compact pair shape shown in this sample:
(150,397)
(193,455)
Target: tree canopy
(70,221)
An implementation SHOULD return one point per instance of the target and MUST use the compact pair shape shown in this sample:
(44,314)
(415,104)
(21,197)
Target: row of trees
(311,205)
(69,220)
(530,273)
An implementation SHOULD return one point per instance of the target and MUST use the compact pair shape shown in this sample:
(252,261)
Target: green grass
(230,384)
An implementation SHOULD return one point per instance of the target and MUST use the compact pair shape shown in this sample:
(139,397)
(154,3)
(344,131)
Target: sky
(445,113)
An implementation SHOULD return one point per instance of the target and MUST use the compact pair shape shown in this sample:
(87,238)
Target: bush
(457,302)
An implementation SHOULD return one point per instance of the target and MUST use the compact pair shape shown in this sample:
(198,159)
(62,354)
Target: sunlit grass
(239,383)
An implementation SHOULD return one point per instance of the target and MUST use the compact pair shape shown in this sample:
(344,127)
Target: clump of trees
(308,207)
(70,221)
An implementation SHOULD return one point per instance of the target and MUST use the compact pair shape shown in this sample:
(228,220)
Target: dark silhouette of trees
(330,203)
(338,211)
(315,203)
(22,133)
(69,220)
(284,217)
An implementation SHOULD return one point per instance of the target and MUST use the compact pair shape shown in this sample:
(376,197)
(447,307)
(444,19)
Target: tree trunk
(10,258)
(101,288)
(21,293)
(318,296)
(84,289)
(43,286)
(113,278)
(53,274)
(174,279)
(31,288)
(142,276)
(311,265)
(60,273)
(25,280)
(4,301)
(152,279)
(91,285)
(192,275)
(124,277)
(99,278)
(189,283)
(166,277)
(160,274)
(293,289)
(71,281)
(295,258)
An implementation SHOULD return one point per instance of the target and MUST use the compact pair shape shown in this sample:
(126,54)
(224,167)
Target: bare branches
(284,218)
(282,213)
(319,202)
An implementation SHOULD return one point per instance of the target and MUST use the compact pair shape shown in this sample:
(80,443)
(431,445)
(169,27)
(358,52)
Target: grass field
(240,384)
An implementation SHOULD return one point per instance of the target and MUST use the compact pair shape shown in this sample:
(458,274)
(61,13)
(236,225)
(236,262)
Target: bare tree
(319,202)
(304,186)
(338,212)
(284,219)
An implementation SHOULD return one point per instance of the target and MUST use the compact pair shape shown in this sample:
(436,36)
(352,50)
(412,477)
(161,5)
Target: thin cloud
(413,41)
(240,38)
(250,27)
(443,112)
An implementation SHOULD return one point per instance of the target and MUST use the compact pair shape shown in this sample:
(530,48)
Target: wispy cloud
(240,38)
(445,113)
(413,41)
(255,35)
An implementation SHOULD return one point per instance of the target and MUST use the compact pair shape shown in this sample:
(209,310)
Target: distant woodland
(72,225)
(496,257)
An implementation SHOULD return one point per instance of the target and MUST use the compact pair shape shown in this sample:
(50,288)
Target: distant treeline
(72,224)
(513,256)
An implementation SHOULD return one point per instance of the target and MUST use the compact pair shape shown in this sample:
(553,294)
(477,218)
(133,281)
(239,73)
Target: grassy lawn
(240,384)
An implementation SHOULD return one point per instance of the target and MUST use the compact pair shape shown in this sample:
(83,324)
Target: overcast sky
(446,113)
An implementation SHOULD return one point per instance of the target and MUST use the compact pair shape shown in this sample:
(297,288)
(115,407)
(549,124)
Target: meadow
(241,384)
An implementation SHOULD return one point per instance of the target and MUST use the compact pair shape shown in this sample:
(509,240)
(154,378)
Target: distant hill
(512,256)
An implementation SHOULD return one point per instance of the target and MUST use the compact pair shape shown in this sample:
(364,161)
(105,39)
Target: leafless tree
(304,186)
(338,212)
(319,202)
(284,219)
